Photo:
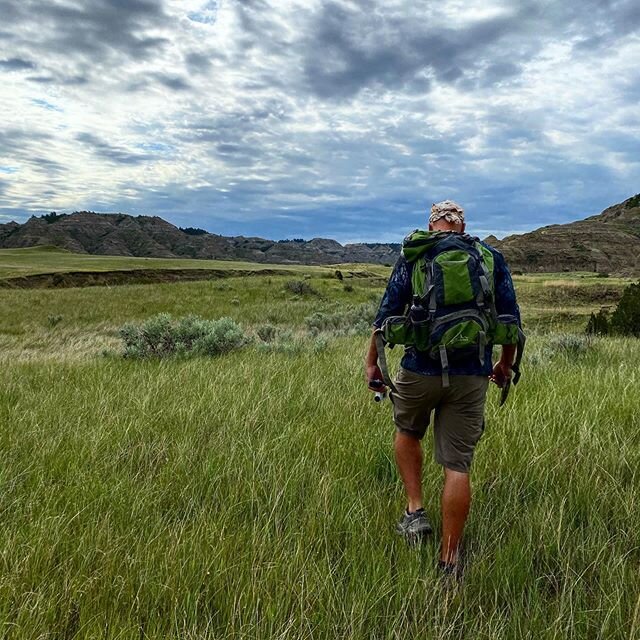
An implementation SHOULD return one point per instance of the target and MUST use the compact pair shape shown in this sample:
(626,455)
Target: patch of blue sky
(8,169)
(155,147)
(206,15)
(45,104)
(17,215)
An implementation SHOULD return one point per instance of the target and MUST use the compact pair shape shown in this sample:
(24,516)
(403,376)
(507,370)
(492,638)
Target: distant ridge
(119,234)
(605,243)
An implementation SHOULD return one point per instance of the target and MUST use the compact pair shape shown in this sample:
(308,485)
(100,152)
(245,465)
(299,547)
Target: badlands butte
(605,243)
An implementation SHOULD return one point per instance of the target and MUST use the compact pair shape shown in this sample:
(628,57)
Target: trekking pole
(378,396)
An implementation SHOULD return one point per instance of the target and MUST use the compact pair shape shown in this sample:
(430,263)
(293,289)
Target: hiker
(448,375)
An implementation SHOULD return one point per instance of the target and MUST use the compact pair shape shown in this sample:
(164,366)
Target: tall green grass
(254,496)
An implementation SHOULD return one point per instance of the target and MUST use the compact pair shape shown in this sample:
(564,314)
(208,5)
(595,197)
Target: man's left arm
(506,304)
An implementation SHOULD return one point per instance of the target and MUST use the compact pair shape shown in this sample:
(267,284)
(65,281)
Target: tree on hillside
(626,317)
(633,202)
(193,231)
(52,217)
(598,324)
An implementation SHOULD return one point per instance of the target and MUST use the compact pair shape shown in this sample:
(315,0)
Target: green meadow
(254,494)
(36,260)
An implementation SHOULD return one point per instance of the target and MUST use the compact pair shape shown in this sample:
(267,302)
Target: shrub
(224,335)
(267,332)
(300,288)
(348,321)
(280,340)
(598,324)
(53,321)
(569,344)
(161,336)
(320,344)
(626,316)
(560,345)
(285,343)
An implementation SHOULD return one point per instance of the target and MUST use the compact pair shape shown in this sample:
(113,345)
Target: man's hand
(371,369)
(372,373)
(502,373)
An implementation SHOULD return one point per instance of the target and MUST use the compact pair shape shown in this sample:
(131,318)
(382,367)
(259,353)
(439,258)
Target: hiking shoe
(414,526)
(450,571)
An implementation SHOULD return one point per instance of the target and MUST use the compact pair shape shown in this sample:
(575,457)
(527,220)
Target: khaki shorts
(459,414)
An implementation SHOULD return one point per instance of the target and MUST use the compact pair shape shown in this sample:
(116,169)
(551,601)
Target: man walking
(456,396)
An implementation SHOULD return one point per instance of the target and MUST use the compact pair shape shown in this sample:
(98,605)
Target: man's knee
(409,437)
(456,476)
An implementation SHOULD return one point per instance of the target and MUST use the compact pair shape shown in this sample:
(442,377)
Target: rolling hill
(607,243)
(147,236)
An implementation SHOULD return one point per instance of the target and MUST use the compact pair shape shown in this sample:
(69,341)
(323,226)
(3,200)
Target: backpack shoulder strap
(487,283)
(382,360)
(419,277)
(486,255)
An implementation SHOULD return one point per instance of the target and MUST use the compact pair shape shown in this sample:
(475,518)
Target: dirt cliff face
(606,243)
(145,236)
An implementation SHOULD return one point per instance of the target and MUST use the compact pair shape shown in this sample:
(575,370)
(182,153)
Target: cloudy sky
(335,118)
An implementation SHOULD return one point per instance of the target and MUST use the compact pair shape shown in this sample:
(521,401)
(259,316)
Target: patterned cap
(447,209)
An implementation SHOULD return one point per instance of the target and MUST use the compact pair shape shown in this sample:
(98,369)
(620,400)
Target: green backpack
(453,315)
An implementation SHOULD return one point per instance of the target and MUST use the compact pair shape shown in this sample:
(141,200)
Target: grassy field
(36,260)
(254,495)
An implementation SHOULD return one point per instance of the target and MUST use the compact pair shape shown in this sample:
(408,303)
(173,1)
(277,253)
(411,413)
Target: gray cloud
(59,79)
(362,48)
(323,114)
(110,152)
(177,83)
(368,46)
(17,64)
(170,81)
(14,139)
(42,79)
(41,164)
(84,33)
(198,62)
(500,71)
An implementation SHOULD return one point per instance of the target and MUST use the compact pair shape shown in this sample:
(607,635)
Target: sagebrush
(161,336)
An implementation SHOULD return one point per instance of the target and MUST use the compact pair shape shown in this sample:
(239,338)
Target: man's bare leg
(456,500)
(408,452)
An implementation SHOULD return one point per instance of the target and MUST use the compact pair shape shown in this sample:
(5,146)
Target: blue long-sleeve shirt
(398,296)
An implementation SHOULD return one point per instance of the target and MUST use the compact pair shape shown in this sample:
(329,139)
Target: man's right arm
(394,301)
(372,370)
